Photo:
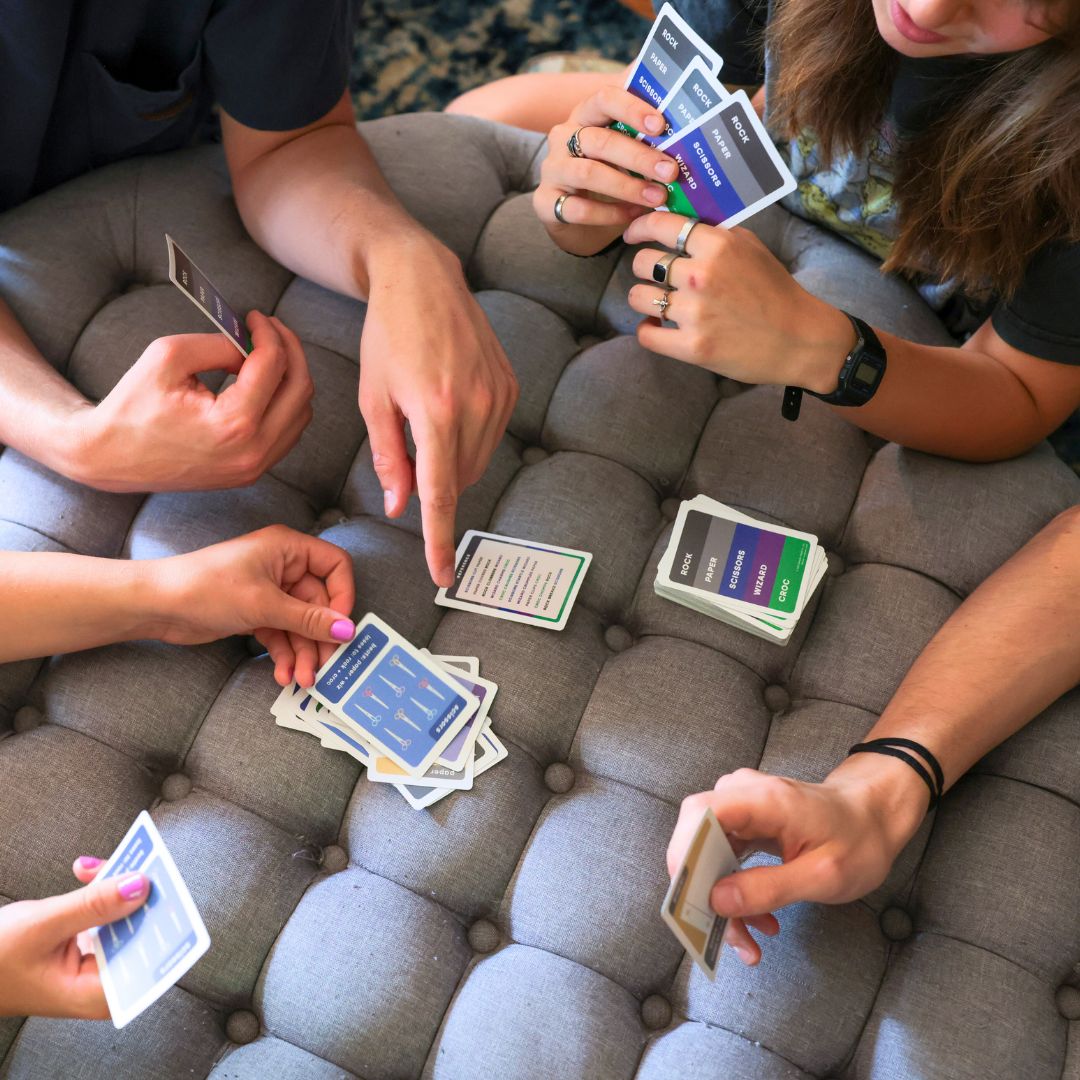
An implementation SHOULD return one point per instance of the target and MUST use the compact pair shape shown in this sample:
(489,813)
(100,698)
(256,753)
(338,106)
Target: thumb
(311,621)
(97,904)
(763,889)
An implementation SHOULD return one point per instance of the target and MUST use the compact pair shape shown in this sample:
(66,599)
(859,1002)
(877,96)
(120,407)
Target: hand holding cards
(753,575)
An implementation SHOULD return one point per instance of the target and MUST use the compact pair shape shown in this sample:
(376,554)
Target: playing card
(382,770)
(489,752)
(334,737)
(730,167)
(469,664)
(461,747)
(284,709)
(697,91)
(142,956)
(755,569)
(668,50)
(406,705)
(686,907)
(517,580)
(198,288)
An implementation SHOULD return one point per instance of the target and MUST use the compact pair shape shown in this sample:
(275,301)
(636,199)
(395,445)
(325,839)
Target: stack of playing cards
(753,575)
(417,721)
(730,168)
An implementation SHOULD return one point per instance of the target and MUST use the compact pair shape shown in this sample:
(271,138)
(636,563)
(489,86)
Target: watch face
(865,374)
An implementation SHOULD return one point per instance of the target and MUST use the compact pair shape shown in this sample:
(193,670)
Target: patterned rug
(413,56)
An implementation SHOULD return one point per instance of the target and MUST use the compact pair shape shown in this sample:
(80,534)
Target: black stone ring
(573,144)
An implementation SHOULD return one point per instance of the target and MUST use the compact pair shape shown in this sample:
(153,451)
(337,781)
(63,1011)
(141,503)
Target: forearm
(57,603)
(1009,651)
(320,205)
(969,403)
(36,403)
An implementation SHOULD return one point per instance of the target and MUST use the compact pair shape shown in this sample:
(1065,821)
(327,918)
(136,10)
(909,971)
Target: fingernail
(88,862)
(655,194)
(342,630)
(131,888)
(726,898)
(388,501)
(653,123)
(666,170)
(742,953)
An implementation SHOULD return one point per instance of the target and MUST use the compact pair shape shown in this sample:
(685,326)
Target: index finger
(612,104)
(665,230)
(332,564)
(261,373)
(437,486)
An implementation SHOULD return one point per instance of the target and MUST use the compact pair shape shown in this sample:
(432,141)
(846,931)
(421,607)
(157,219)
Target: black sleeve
(1043,318)
(276,65)
(735,29)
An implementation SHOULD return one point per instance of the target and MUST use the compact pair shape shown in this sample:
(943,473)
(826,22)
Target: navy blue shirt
(87,82)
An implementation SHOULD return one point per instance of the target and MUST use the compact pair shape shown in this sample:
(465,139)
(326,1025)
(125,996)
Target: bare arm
(1006,653)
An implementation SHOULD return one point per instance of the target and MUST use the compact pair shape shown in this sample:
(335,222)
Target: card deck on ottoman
(749,573)
(201,291)
(517,580)
(686,908)
(402,702)
(142,956)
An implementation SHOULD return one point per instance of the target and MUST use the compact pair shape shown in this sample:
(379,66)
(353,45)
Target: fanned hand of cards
(416,721)
(730,168)
(753,575)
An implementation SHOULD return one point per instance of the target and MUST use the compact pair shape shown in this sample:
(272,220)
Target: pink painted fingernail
(342,630)
(131,888)
(88,862)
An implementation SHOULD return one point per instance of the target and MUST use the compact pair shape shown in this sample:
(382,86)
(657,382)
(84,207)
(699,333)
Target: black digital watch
(860,374)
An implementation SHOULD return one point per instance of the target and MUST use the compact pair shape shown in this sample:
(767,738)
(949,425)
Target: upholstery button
(483,936)
(896,924)
(670,509)
(836,564)
(559,777)
(242,1027)
(1068,1002)
(334,858)
(777,699)
(176,787)
(329,518)
(655,1012)
(533,455)
(618,638)
(27,718)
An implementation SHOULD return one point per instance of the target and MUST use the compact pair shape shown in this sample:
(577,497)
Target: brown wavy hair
(994,178)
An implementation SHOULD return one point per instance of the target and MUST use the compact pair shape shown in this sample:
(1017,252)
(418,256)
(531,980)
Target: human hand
(294,592)
(737,310)
(604,198)
(837,839)
(42,969)
(161,429)
(428,356)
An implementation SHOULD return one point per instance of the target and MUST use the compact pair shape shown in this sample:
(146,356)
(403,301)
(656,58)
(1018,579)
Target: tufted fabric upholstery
(513,931)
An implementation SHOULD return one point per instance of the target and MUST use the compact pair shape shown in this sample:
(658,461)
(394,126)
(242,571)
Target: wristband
(892,748)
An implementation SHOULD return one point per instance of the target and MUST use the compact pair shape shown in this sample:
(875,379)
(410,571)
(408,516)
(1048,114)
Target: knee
(489,102)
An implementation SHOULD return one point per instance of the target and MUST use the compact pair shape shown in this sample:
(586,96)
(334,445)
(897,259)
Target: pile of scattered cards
(753,575)
(686,908)
(730,167)
(416,721)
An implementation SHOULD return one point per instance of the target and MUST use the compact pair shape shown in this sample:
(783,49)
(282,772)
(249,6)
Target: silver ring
(558,208)
(573,144)
(662,267)
(662,303)
(684,236)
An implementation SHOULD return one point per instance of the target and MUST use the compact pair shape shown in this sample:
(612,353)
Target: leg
(536,102)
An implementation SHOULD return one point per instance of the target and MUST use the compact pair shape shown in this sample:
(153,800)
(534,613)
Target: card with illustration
(142,956)
(408,707)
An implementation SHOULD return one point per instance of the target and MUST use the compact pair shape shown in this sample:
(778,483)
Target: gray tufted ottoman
(513,931)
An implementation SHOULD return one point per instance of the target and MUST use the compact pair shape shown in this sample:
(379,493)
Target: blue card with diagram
(400,701)
(142,956)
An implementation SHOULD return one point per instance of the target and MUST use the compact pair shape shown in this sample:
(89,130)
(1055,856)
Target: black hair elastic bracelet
(891,748)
